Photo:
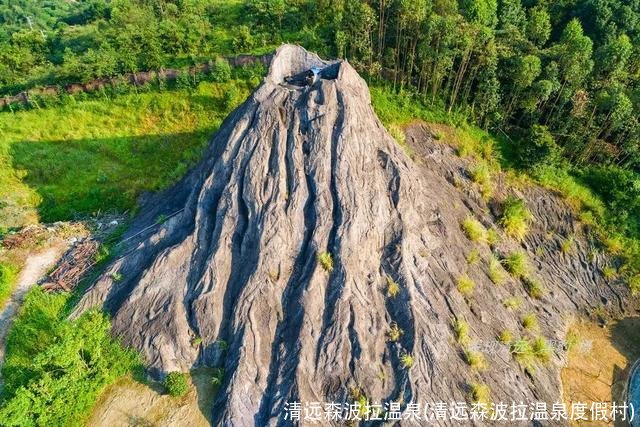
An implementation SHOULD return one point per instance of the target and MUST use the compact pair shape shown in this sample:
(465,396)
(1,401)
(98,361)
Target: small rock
(113,223)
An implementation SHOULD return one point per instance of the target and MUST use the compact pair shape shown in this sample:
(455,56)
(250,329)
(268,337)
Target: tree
(538,25)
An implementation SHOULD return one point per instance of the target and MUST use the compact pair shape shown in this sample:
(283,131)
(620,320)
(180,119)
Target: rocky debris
(302,173)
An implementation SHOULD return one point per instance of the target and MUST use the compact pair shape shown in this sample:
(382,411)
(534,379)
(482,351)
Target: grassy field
(97,155)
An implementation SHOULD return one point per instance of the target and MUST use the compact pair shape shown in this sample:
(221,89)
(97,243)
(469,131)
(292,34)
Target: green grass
(393,287)
(326,261)
(530,322)
(394,333)
(505,336)
(541,349)
(481,175)
(515,218)
(566,245)
(473,257)
(516,264)
(534,287)
(8,274)
(481,395)
(100,154)
(512,303)
(176,384)
(473,229)
(461,330)
(56,368)
(475,360)
(466,285)
(406,360)
(496,272)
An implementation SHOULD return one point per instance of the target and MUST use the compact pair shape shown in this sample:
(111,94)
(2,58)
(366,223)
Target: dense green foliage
(561,78)
(56,368)
(176,384)
(7,280)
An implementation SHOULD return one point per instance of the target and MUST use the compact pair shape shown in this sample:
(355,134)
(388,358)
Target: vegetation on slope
(80,156)
(56,368)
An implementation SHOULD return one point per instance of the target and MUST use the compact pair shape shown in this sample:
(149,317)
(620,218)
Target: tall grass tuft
(515,218)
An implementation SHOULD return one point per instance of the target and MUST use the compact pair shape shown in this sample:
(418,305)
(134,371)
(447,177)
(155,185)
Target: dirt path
(35,267)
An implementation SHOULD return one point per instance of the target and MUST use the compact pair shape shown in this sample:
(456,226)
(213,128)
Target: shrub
(492,236)
(481,175)
(218,377)
(522,351)
(8,275)
(175,384)
(475,359)
(56,368)
(406,360)
(393,288)
(516,264)
(466,285)
(530,321)
(220,71)
(572,340)
(461,329)
(533,287)
(609,272)
(473,257)
(634,284)
(541,350)
(539,148)
(512,303)
(515,218)
(566,245)
(613,245)
(496,273)
(473,229)
(117,277)
(394,333)
(196,341)
(326,261)
(505,337)
(481,394)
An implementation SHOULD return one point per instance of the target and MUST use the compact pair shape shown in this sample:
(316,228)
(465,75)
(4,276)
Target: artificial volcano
(230,276)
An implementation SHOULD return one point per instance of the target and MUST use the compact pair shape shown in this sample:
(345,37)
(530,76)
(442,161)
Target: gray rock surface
(300,170)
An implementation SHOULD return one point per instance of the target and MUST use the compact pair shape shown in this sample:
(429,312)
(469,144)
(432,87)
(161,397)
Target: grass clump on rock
(534,288)
(473,229)
(515,218)
(466,285)
(475,359)
(406,360)
(530,321)
(393,288)
(496,273)
(505,337)
(512,303)
(394,333)
(541,349)
(480,394)
(516,264)
(461,329)
(175,384)
(326,261)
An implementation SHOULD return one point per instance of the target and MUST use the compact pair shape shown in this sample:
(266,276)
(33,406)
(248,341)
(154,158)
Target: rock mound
(222,270)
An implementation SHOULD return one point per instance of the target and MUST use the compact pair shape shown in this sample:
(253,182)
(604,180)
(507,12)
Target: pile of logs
(72,267)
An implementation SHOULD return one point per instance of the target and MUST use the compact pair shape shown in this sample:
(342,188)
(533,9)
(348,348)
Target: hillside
(327,261)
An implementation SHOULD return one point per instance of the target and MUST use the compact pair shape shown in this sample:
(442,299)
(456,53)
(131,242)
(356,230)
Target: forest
(560,78)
